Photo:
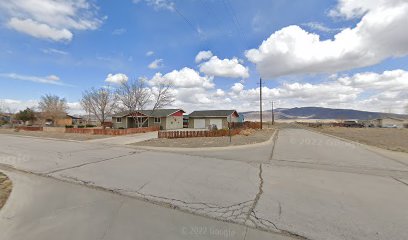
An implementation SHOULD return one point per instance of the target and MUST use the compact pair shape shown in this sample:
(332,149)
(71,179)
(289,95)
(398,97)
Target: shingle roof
(212,113)
(150,113)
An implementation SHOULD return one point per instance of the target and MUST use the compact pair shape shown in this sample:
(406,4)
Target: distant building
(389,122)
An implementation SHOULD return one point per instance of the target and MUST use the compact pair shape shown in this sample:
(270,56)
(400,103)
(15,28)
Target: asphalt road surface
(301,185)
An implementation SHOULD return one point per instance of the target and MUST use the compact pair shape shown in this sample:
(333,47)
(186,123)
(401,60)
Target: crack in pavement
(269,225)
(235,212)
(258,195)
(400,181)
(94,162)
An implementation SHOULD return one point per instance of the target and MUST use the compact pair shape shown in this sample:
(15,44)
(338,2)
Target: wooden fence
(253,125)
(115,132)
(192,134)
(27,128)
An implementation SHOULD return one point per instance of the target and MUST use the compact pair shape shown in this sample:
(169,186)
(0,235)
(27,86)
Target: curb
(172,149)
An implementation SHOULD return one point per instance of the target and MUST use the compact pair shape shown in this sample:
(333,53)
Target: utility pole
(260,100)
(273,115)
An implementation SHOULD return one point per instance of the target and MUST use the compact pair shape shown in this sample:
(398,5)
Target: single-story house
(43,120)
(167,119)
(390,122)
(220,118)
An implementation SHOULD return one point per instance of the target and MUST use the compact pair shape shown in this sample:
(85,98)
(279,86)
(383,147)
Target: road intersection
(299,185)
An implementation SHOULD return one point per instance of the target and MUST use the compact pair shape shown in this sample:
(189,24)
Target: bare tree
(134,96)
(99,102)
(162,95)
(53,107)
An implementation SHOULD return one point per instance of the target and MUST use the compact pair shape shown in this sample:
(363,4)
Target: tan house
(167,119)
(390,122)
(42,120)
(206,118)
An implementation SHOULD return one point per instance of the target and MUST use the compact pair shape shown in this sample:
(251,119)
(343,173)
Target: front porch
(135,122)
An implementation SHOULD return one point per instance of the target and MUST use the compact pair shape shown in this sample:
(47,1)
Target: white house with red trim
(167,119)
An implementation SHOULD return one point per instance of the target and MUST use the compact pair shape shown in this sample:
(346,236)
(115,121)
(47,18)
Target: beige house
(167,119)
(220,118)
(389,122)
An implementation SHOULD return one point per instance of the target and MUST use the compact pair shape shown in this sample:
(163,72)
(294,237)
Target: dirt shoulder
(5,189)
(256,137)
(63,136)
(388,138)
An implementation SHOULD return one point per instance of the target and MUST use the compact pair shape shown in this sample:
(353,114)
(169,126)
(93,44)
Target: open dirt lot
(256,137)
(5,189)
(65,136)
(387,138)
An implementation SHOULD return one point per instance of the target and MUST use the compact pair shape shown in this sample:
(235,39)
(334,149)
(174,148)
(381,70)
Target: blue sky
(76,51)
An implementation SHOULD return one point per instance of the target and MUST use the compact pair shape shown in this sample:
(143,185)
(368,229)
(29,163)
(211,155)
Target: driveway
(126,139)
(305,185)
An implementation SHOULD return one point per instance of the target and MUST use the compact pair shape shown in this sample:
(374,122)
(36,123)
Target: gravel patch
(388,138)
(5,189)
(256,137)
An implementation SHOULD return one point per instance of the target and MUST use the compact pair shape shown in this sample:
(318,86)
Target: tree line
(130,96)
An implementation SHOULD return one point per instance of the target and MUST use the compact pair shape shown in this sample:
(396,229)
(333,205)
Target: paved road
(306,185)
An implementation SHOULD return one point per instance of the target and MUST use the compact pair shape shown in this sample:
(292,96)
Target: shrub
(81,126)
(69,126)
(90,125)
(121,128)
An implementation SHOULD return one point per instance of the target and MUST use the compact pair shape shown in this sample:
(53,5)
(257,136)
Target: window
(157,120)
(118,120)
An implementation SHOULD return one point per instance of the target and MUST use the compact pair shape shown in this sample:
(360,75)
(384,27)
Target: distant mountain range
(318,113)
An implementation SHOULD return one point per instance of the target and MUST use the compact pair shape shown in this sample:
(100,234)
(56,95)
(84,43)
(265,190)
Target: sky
(329,53)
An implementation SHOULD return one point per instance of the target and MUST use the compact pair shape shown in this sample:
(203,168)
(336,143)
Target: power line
(233,18)
(185,18)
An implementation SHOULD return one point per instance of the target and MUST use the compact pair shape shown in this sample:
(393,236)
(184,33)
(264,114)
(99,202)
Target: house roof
(393,118)
(73,117)
(212,113)
(150,113)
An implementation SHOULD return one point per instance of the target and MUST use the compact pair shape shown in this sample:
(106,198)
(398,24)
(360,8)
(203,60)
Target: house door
(199,123)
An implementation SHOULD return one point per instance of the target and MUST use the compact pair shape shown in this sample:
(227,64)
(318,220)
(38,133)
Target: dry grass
(388,138)
(256,136)
(5,189)
(64,136)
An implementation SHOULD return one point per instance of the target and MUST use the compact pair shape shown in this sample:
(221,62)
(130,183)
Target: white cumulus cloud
(116,78)
(183,78)
(376,36)
(50,19)
(39,30)
(156,64)
(203,55)
(230,68)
